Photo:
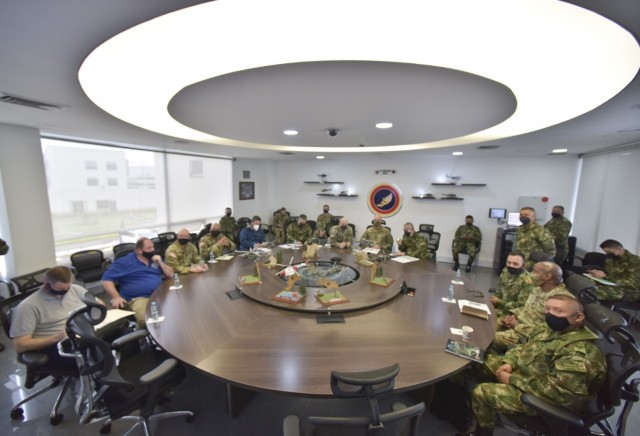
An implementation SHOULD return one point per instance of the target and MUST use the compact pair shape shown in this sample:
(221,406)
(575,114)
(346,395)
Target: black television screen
(498,213)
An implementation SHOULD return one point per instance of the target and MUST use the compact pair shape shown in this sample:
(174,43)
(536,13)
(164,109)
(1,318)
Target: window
(112,181)
(104,205)
(195,168)
(90,165)
(112,166)
(77,206)
(92,181)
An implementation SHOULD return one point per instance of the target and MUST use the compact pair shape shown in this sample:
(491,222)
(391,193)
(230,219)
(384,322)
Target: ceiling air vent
(488,147)
(28,103)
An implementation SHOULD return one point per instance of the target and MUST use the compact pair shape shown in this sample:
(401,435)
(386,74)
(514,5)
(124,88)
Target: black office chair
(138,381)
(313,224)
(427,228)
(477,258)
(164,240)
(591,260)
(36,364)
(571,254)
(30,281)
(123,249)
(241,223)
(88,265)
(583,288)
(367,384)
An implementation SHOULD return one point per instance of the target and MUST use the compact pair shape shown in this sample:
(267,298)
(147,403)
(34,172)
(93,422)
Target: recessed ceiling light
(457,153)
(319,157)
(560,150)
(384,125)
(290,132)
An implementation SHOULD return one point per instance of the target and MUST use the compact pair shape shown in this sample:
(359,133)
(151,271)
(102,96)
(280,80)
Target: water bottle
(155,314)
(450,292)
(176,280)
(212,257)
(458,275)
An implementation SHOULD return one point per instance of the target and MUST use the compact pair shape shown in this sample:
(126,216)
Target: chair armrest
(550,413)
(129,337)
(291,426)
(33,359)
(159,372)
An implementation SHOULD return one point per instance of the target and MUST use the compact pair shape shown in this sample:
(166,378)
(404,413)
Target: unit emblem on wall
(385,199)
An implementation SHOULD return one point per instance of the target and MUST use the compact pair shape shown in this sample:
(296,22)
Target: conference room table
(256,343)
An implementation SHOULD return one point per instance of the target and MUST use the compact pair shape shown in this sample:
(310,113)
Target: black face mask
(556,215)
(407,234)
(469,224)
(301,225)
(343,227)
(215,233)
(612,256)
(525,220)
(55,292)
(183,241)
(556,323)
(148,254)
(515,271)
(227,213)
(325,210)
(377,224)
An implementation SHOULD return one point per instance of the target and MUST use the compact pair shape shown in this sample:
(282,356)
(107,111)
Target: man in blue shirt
(252,236)
(137,274)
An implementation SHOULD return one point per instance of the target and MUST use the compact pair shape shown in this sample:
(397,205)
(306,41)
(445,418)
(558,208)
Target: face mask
(343,227)
(377,224)
(183,241)
(469,224)
(556,215)
(148,254)
(325,210)
(301,225)
(407,233)
(612,256)
(227,213)
(525,220)
(536,280)
(515,271)
(215,233)
(256,227)
(556,323)
(55,292)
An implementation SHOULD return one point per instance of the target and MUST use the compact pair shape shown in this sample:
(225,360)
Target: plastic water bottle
(458,275)
(176,280)
(155,314)
(212,257)
(450,292)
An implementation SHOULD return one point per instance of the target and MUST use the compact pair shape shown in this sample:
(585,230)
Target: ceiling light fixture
(559,150)
(496,39)
(290,132)
(457,153)
(319,157)
(384,125)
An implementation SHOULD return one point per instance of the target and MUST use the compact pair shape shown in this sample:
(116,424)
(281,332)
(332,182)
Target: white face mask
(256,227)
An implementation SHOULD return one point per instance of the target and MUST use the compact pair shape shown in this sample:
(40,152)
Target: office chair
(313,224)
(477,258)
(623,362)
(165,239)
(571,254)
(36,364)
(138,381)
(88,265)
(241,223)
(368,384)
(591,260)
(581,287)
(427,228)
(123,249)
(29,281)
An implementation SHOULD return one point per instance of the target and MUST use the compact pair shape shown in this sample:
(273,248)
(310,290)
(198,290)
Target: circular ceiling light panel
(559,60)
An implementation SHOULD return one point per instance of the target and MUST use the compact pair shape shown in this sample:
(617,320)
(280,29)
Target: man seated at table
(38,322)
(377,235)
(622,268)
(183,255)
(560,363)
(252,236)
(514,286)
(341,236)
(300,231)
(216,243)
(137,275)
(411,244)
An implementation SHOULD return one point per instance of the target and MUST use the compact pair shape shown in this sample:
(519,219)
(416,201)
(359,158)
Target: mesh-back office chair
(30,281)
(433,243)
(123,249)
(36,364)
(165,239)
(368,385)
(591,260)
(241,223)
(138,381)
(312,224)
(583,288)
(88,265)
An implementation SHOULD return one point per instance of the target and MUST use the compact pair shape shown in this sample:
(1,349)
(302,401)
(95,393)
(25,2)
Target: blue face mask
(54,291)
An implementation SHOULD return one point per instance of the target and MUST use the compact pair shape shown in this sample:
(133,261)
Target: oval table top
(264,346)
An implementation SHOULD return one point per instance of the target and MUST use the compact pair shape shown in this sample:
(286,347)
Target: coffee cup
(467,333)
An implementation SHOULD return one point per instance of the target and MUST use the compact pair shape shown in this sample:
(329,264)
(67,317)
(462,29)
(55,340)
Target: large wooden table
(269,347)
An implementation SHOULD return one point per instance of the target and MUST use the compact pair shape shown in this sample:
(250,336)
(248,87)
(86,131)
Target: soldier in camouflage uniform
(323,222)
(466,240)
(183,255)
(379,236)
(560,363)
(228,224)
(280,222)
(621,267)
(299,231)
(412,244)
(341,236)
(517,326)
(532,238)
(514,286)
(215,242)
(559,227)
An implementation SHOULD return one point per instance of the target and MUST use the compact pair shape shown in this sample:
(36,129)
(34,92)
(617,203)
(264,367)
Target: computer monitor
(498,213)
(514,219)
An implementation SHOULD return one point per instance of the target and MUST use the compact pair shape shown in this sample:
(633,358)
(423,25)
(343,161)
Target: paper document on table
(473,304)
(599,280)
(225,257)
(404,259)
(114,315)
(371,250)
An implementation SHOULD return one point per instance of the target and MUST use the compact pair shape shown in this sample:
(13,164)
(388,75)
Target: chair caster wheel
(190,418)
(17,413)
(106,429)
(56,419)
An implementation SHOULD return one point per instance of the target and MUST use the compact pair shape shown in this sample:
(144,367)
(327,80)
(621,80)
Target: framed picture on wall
(247,190)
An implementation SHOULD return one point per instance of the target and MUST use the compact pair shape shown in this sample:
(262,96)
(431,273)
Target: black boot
(456,265)
(467,268)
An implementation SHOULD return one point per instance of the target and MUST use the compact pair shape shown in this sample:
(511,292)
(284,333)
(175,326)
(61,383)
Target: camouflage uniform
(4,248)
(559,229)
(228,226)
(466,240)
(337,235)
(624,271)
(512,291)
(181,257)
(324,221)
(529,317)
(415,246)
(565,368)
(380,237)
(297,233)
(534,238)
(208,246)
(280,221)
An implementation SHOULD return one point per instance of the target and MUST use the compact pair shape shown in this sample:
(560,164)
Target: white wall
(262,173)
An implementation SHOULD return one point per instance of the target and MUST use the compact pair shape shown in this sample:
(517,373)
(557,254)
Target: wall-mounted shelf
(325,183)
(417,197)
(461,184)
(336,195)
